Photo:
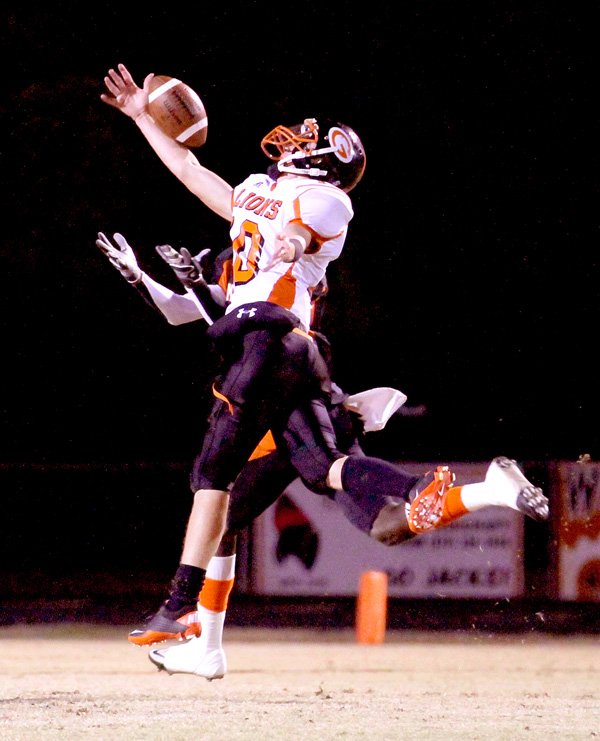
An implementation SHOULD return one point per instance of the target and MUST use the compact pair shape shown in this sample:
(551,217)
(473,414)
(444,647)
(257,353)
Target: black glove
(187,267)
(122,257)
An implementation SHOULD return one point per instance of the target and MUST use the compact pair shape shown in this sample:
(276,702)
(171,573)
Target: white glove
(122,257)
(186,267)
(375,406)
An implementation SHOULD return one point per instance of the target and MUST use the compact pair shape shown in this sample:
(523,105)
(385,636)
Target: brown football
(178,110)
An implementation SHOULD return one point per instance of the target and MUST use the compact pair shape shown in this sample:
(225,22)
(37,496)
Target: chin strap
(312,172)
(286,163)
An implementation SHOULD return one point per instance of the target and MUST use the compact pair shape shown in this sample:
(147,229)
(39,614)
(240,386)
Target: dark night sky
(469,278)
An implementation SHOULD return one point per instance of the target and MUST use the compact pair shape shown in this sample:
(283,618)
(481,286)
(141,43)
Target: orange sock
(453,505)
(215,594)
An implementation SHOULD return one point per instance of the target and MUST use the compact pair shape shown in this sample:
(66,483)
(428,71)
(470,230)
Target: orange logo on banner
(588,581)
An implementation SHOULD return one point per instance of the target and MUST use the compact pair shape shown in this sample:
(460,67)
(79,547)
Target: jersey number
(247,249)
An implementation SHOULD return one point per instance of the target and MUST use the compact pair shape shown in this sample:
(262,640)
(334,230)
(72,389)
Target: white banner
(303,545)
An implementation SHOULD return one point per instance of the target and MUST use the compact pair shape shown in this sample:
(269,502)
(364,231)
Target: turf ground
(78,681)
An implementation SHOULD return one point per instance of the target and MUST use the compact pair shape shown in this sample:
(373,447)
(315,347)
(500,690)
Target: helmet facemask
(340,161)
(283,141)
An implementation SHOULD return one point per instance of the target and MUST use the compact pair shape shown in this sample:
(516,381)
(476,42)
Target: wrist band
(298,248)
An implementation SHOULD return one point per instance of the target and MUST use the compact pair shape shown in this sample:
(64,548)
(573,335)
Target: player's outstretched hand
(125,95)
(121,256)
(187,267)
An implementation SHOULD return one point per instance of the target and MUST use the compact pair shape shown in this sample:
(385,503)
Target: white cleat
(509,482)
(190,657)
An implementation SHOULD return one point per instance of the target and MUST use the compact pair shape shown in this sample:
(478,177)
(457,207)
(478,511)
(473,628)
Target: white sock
(212,624)
(221,569)
(482,494)
(475,496)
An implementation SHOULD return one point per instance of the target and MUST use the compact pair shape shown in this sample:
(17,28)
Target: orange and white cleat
(427,507)
(166,625)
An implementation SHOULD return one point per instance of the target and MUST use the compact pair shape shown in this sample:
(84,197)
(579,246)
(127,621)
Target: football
(178,110)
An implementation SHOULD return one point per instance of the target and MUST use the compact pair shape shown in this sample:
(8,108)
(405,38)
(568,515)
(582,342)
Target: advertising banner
(579,531)
(303,545)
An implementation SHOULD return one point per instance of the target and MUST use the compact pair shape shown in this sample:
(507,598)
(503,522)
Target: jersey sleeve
(176,308)
(324,210)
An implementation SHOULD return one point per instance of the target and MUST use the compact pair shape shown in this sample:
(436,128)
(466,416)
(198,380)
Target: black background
(469,278)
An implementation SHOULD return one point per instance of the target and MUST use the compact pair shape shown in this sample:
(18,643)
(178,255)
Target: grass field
(77,681)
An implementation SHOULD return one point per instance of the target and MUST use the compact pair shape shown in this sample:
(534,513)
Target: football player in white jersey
(286,227)
(269,471)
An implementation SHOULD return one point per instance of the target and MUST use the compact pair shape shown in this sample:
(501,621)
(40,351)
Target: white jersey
(262,207)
